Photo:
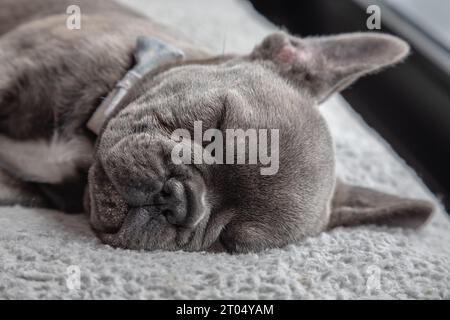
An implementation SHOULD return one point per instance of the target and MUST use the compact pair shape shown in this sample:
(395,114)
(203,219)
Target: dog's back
(17,12)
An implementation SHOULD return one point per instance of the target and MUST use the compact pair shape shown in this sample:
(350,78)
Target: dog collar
(150,53)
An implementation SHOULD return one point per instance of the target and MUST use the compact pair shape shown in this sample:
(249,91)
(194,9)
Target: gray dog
(53,80)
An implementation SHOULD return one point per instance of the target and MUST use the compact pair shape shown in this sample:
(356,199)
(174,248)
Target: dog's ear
(324,65)
(352,205)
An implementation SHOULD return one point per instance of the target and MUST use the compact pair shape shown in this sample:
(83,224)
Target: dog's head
(141,198)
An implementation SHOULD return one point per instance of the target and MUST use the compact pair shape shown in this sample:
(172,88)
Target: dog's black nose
(173,201)
(182,203)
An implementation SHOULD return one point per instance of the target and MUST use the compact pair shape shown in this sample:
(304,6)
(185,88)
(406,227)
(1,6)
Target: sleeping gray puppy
(53,79)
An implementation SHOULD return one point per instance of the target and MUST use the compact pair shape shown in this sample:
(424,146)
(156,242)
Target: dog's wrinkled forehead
(236,94)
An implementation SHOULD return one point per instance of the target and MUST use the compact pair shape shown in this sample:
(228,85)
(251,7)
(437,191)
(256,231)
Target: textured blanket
(51,255)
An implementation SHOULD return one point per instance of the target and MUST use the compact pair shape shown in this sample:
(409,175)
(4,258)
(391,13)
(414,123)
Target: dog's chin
(145,228)
(135,231)
(109,221)
(101,229)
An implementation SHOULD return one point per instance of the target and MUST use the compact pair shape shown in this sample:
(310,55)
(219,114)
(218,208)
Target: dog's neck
(150,55)
(135,88)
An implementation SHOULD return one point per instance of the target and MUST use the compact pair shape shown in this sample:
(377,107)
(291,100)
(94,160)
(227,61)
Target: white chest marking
(47,161)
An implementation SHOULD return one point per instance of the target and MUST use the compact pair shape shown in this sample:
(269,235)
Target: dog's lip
(107,238)
(102,230)
(100,227)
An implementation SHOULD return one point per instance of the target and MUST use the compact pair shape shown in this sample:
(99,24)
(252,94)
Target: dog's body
(75,70)
(52,79)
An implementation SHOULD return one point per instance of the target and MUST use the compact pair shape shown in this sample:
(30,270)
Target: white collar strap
(150,54)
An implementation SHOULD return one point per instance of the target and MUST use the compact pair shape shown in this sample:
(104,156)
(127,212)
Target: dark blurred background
(409,105)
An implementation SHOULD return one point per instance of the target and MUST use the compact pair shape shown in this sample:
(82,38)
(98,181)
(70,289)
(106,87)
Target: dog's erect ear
(352,205)
(324,65)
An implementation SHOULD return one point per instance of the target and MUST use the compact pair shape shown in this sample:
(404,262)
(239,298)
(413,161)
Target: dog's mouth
(180,204)
(131,233)
(148,229)
(111,220)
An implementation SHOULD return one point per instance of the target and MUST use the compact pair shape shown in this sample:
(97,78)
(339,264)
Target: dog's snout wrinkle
(195,194)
